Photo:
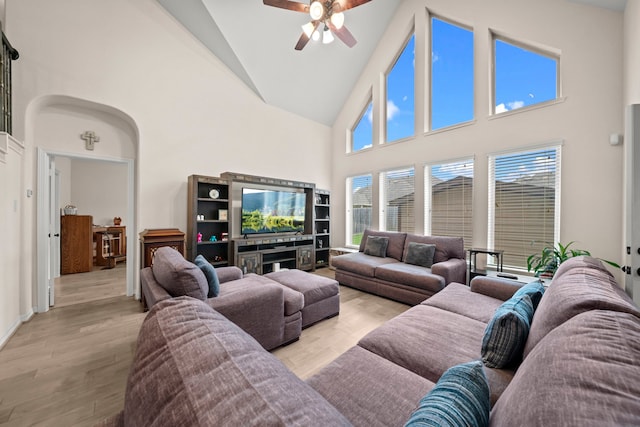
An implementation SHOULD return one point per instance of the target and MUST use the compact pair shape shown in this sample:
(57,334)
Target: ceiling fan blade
(286,4)
(342,5)
(304,38)
(344,35)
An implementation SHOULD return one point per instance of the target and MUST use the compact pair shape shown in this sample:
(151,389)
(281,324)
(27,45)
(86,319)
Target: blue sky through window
(451,74)
(522,77)
(400,94)
(363,132)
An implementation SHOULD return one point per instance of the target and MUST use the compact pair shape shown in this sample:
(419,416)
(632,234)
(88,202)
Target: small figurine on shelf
(213,238)
(117,221)
(199,237)
(217,258)
(224,237)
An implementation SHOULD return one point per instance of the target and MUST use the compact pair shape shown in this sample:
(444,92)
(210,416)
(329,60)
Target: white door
(54,233)
(632,176)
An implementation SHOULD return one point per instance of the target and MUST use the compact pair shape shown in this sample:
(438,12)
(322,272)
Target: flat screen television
(272,211)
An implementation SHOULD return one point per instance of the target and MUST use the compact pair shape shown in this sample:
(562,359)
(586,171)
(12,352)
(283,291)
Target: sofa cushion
(359,383)
(580,284)
(359,263)
(194,367)
(584,372)
(410,275)
(534,290)
(420,254)
(507,332)
(395,248)
(211,275)
(178,276)
(376,246)
(460,398)
(458,298)
(446,247)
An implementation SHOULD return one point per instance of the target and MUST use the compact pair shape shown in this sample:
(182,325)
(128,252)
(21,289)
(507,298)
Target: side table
(473,252)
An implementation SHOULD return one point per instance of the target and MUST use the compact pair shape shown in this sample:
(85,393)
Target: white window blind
(359,207)
(524,201)
(398,196)
(449,200)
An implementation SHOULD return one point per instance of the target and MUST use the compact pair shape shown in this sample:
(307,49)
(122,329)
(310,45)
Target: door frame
(42,222)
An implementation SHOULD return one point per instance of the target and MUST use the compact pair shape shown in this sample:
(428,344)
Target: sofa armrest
(495,287)
(152,291)
(227,274)
(259,310)
(453,270)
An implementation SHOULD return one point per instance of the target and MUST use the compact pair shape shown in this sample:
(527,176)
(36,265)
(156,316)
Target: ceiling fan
(327,19)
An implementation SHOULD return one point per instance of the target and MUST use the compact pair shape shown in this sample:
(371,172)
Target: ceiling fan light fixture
(316,36)
(316,10)
(337,19)
(308,28)
(327,37)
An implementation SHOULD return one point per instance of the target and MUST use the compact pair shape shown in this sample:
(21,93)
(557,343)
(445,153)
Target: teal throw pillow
(211,275)
(376,246)
(460,398)
(420,254)
(535,290)
(506,334)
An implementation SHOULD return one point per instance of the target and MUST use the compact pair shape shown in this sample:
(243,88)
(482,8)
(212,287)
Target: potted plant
(545,263)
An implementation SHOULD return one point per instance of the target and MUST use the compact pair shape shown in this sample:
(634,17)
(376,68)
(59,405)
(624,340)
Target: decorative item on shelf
(70,210)
(117,220)
(214,194)
(199,237)
(217,258)
(213,238)
(200,217)
(319,244)
(222,215)
(224,237)
(325,231)
(318,199)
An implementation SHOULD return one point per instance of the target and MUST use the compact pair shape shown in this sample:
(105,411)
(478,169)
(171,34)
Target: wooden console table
(152,239)
(473,266)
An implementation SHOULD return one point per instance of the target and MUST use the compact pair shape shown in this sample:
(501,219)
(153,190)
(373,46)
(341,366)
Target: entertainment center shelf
(258,224)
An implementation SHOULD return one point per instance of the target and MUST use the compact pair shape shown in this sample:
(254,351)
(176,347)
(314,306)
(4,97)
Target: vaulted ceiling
(257,43)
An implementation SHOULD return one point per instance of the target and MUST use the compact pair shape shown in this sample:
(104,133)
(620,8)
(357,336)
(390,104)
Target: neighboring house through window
(359,205)
(398,200)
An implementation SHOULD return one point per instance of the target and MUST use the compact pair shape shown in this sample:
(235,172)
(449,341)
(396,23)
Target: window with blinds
(524,201)
(449,200)
(359,197)
(397,200)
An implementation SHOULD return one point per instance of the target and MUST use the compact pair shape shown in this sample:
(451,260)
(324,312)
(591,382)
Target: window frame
(428,120)
(491,193)
(384,123)
(428,196)
(542,51)
(382,214)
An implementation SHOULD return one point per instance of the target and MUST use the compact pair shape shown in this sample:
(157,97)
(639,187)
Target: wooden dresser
(76,244)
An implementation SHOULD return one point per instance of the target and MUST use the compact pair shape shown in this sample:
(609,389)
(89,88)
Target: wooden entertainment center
(214,226)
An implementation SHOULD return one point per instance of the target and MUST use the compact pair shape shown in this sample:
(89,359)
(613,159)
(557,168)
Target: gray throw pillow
(376,246)
(211,275)
(460,398)
(420,254)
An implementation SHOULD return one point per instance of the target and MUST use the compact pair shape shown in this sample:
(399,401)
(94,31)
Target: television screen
(272,211)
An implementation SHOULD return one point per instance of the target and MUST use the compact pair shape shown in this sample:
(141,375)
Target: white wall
(591,73)
(191,114)
(632,53)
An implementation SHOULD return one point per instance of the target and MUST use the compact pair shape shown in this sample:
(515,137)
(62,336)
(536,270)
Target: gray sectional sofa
(580,365)
(391,276)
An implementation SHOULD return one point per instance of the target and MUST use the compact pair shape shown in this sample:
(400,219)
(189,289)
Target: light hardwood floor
(69,366)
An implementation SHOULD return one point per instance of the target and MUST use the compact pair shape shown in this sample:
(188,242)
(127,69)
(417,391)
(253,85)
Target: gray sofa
(268,311)
(391,277)
(580,365)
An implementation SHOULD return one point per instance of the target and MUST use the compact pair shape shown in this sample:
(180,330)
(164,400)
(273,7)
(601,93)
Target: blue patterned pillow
(211,275)
(460,398)
(507,332)
(535,290)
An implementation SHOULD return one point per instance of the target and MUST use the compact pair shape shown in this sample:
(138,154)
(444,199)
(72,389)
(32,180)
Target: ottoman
(321,294)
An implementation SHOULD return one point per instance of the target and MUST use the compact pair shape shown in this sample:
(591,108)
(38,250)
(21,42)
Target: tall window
(449,200)
(358,207)
(398,197)
(451,74)
(362,134)
(400,94)
(524,201)
(523,76)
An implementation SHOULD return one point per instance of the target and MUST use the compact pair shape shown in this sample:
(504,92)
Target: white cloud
(392,110)
(404,98)
(452,170)
(434,57)
(370,115)
(513,105)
